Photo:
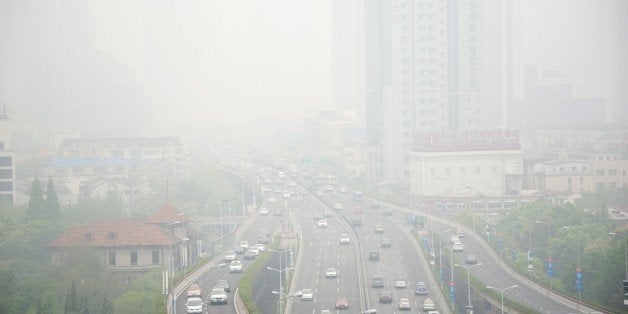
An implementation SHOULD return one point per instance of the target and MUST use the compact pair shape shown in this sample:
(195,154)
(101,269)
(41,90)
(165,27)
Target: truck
(194,303)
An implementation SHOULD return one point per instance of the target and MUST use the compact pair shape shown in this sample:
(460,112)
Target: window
(612,172)
(112,258)
(6,174)
(581,180)
(155,257)
(6,186)
(612,185)
(6,161)
(569,181)
(516,167)
(599,186)
(600,172)
(134,258)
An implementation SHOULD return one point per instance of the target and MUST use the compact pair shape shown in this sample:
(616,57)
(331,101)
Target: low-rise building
(161,241)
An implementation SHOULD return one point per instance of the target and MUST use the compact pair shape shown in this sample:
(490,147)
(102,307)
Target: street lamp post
(502,293)
(220,212)
(549,244)
(451,283)
(469,307)
(578,268)
(281,299)
(440,252)
(625,252)
(280,272)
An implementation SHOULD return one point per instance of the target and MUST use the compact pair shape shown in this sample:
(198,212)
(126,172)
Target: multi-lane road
(320,249)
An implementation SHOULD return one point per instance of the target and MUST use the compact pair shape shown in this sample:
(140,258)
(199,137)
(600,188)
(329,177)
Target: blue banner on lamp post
(452,292)
(550,268)
(578,279)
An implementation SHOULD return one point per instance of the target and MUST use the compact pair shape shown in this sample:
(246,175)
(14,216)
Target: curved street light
(502,293)
(469,307)
(549,245)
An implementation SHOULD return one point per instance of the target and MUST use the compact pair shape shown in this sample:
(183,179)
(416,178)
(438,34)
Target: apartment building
(7,160)
(577,172)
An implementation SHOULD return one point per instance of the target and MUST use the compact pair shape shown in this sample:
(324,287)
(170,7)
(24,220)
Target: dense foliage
(579,237)
(31,284)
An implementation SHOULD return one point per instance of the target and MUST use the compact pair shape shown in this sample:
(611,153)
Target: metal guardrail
(532,284)
(214,262)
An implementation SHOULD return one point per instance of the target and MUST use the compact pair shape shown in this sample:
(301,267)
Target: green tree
(52,201)
(72,304)
(36,202)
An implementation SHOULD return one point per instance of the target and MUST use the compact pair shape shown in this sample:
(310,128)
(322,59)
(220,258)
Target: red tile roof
(168,215)
(112,233)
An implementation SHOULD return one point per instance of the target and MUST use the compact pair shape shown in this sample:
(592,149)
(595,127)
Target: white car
(271,199)
(230,256)
(307,295)
(235,266)
(322,223)
(401,283)
(244,244)
(458,247)
(404,304)
(337,206)
(263,211)
(345,238)
(428,305)
(331,272)
(261,247)
(218,296)
(454,239)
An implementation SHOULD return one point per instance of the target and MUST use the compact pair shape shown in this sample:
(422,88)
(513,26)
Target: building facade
(160,242)
(428,66)
(7,160)
(471,163)
(574,172)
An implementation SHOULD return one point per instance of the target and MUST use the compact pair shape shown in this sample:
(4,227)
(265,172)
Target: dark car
(386,242)
(221,283)
(387,212)
(239,250)
(377,282)
(385,297)
(249,255)
(357,222)
(421,288)
(373,256)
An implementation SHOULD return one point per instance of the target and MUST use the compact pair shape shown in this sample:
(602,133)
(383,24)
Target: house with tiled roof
(160,241)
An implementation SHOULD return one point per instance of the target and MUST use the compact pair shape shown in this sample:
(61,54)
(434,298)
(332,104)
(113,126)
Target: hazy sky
(200,58)
(192,59)
(197,59)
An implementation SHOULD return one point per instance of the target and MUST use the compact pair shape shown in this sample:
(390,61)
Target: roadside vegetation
(581,235)
(31,284)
